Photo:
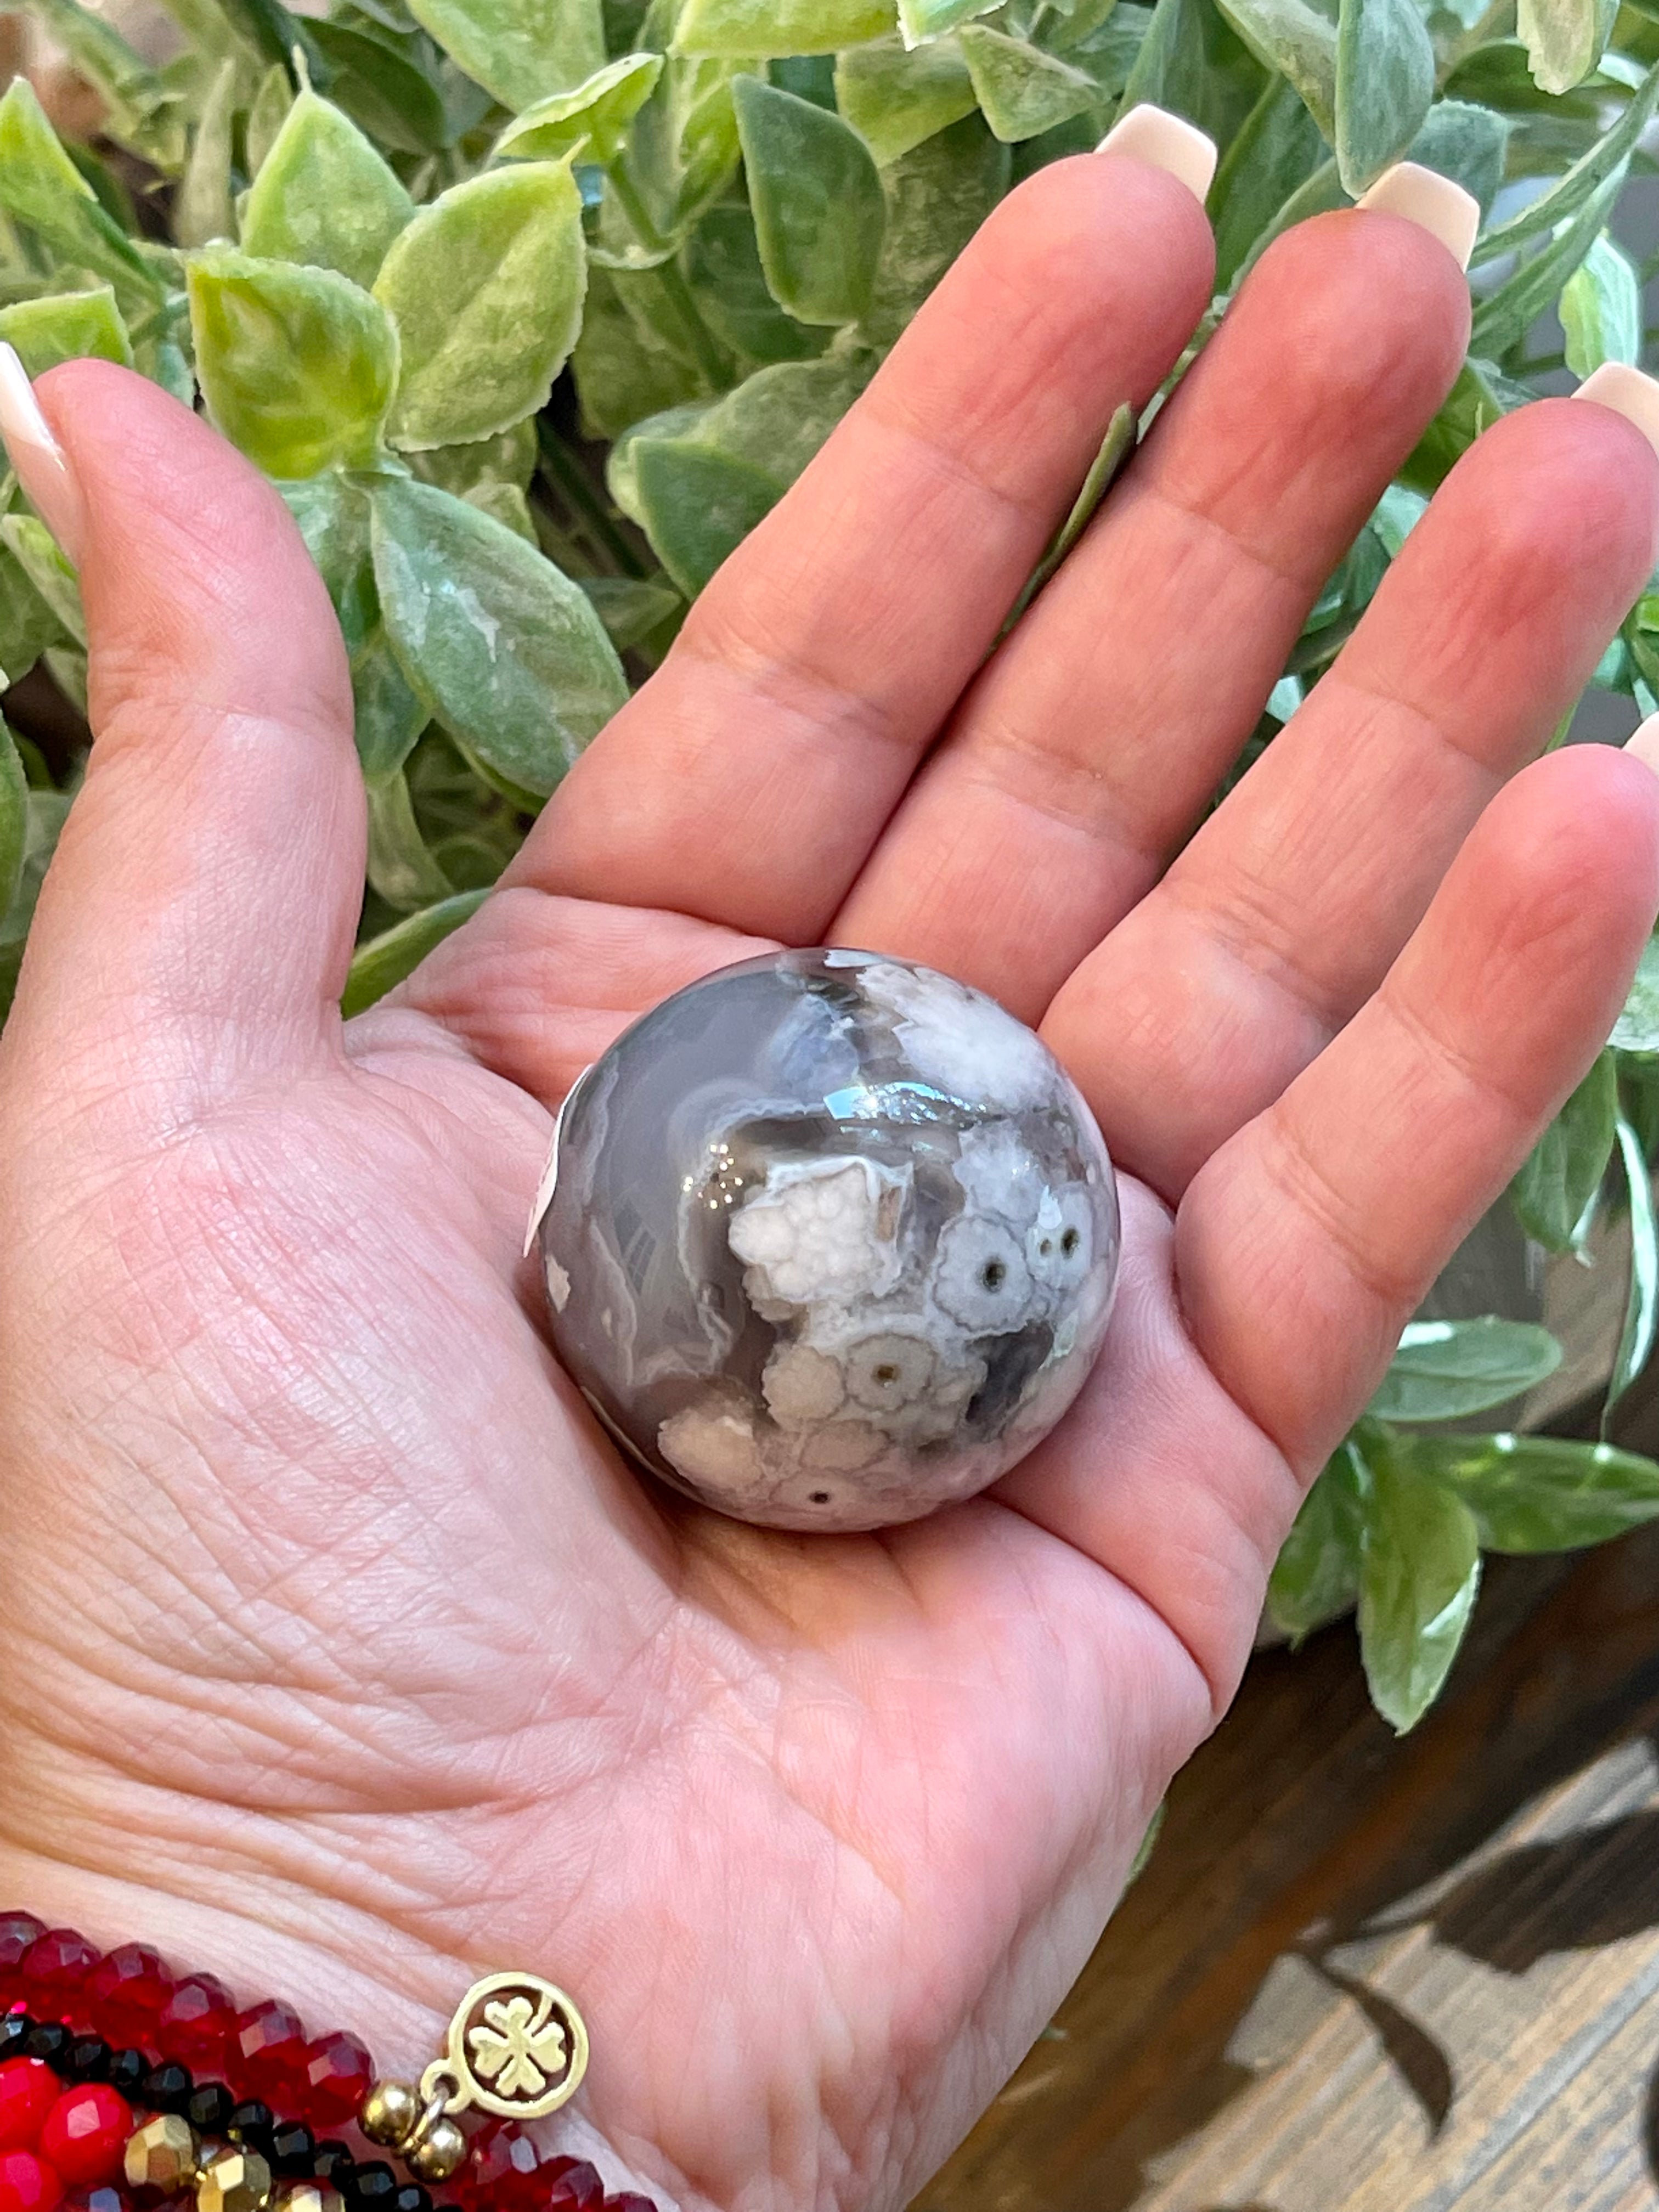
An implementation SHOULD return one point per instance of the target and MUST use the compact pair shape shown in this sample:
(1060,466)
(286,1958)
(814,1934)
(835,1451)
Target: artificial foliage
(533,308)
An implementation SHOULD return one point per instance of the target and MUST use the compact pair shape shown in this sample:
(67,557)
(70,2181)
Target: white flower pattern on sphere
(831,1240)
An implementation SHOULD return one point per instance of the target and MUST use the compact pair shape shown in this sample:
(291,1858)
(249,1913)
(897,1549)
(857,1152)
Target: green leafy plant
(533,308)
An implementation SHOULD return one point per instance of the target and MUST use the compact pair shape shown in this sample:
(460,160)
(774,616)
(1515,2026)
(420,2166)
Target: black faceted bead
(127,2070)
(166,2088)
(49,2041)
(371,2188)
(89,2059)
(15,2029)
(209,2109)
(252,2123)
(331,2162)
(411,2198)
(293,2148)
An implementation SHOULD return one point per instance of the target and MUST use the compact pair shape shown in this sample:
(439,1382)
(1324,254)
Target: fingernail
(42,467)
(1164,141)
(1643,742)
(1629,393)
(1434,202)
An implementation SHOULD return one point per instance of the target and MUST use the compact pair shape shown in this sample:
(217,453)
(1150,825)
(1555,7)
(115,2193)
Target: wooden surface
(1376,1974)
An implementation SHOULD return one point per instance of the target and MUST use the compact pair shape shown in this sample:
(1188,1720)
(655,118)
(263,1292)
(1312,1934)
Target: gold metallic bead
(164,2154)
(389,2112)
(438,2151)
(234,2181)
(309,2197)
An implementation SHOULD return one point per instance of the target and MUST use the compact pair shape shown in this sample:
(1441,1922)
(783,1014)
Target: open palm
(343,1655)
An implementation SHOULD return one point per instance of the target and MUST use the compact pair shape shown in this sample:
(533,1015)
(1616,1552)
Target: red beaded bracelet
(238,2099)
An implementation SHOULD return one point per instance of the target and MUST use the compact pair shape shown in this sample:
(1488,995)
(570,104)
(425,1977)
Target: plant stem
(706,350)
(572,483)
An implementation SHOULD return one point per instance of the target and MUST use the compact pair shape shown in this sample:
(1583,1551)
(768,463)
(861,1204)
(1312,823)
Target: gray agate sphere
(832,1240)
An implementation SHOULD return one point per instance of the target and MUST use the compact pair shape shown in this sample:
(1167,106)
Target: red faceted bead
(28,2090)
(268,2056)
(54,1974)
(86,2134)
(96,2200)
(339,2074)
(27,2184)
(18,1930)
(193,2026)
(126,1993)
(502,2174)
(573,2185)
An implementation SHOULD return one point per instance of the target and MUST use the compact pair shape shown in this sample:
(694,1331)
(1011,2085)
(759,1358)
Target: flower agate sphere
(831,1241)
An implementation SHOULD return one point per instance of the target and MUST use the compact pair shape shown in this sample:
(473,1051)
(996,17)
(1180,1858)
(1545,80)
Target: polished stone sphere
(831,1242)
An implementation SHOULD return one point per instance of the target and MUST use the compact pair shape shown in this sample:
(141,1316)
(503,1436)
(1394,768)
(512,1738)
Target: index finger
(748,781)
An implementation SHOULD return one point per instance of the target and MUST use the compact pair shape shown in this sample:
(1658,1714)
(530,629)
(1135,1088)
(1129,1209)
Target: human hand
(343,1657)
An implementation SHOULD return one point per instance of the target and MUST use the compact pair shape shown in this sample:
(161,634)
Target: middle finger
(1089,746)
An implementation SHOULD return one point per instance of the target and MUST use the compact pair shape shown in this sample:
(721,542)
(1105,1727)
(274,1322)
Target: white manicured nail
(1433,202)
(42,468)
(1164,141)
(1629,393)
(1644,743)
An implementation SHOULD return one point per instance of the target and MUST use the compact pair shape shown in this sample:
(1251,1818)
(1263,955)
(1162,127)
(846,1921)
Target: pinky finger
(1305,1243)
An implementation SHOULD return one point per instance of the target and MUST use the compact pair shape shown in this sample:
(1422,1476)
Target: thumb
(208,878)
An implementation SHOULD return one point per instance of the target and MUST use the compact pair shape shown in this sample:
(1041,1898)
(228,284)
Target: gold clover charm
(517,2048)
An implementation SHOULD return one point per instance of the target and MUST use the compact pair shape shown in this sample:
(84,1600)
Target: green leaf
(894,98)
(332,513)
(14,818)
(486,289)
(1300,44)
(722,265)
(630,607)
(1637,1028)
(1275,153)
(1476,401)
(818,201)
(938,195)
(1419,1571)
(1384,82)
(385,83)
(505,650)
(386,961)
(141,110)
(66,326)
(42,187)
(1641,1324)
(1114,451)
(1601,309)
(324,197)
(1583,182)
(1538,1493)
(400,869)
(509,459)
(1316,1577)
(519,49)
(37,553)
(1563,1171)
(1564,39)
(1021,90)
(1444,1369)
(203,208)
(696,504)
(753,30)
(47,812)
(297,366)
(1465,142)
(623,369)
(1170,67)
(920,19)
(594,115)
(271,102)
(27,625)
(389,717)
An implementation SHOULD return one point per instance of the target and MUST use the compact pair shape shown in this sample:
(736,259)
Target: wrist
(367,1984)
